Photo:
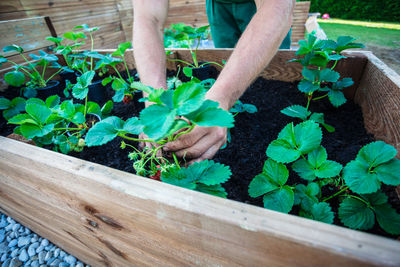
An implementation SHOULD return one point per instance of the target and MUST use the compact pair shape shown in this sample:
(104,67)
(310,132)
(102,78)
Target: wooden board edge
(360,247)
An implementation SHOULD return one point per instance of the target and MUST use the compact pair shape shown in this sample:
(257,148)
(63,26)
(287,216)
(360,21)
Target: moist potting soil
(251,135)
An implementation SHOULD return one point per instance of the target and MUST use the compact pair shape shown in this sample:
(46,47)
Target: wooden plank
(28,33)
(111,218)
(379,97)
(300,15)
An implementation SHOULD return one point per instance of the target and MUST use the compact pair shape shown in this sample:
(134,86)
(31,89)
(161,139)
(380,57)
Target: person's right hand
(148,145)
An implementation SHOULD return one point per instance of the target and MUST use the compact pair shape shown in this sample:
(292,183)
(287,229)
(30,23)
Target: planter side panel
(111,218)
(379,97)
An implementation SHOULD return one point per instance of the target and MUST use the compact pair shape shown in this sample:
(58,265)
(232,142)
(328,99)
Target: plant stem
(85,109)
(53,75)
(140,140)
(184,132)
(334,65)
(320,97)
(309,97)
(68,129)
(127,70)
(30,64)
(176,160)
(334,195)
(360,199)
(119,75)
(182,61)
(91,50)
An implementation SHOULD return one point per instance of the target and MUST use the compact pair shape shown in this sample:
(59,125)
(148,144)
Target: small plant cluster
(172,114)
(357,185)
(76,122)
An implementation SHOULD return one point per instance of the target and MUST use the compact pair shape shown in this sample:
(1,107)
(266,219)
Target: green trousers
(229,20)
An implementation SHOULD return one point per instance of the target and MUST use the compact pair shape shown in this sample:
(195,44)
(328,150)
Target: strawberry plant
(123,87)
(62,124)
(17,77)
(172,114)
(357,185)
(320,80)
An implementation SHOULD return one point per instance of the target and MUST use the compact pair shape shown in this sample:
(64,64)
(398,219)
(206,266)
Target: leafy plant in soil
(63,124)
(17,77)
(124,88)
(184,36)
(172,114)
(357,184)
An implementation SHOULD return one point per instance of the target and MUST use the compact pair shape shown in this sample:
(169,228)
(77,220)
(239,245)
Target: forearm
(149,50)
(254,51)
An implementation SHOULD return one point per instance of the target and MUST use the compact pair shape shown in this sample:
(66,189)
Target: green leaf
(56,40)
(359,179)
(261,185)
(178,176)
(305,196)
(322,212)
(376,153)
(133,126)
(32,130)
(39,112)
(80,89)
(274,175)
(157,120)
(310,75)
(13,48)
(94,108)
(281,199)
(188,71)
(21,119)
(388,218)
(5,103)
(296,111)
(317,157)
(389,172)
(188,97)
(15,78)
(355,214)
(215,190)
(328,75)
(304,170)
(308,136)
(210,172)
(107,107)
(52,101)
(328,169)
(319,117)
(345,82)
(106,80)
(103,131)
(336,97)
(208,115)
(306,86)
(78,118)
(119,84)
(121,49)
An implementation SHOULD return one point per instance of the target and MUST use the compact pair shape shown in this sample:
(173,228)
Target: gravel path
(19,246)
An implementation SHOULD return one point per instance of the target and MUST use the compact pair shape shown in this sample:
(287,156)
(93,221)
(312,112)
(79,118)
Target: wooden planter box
(107,217)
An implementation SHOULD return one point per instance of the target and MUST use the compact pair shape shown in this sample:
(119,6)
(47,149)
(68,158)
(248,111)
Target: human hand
(143,145)
(199,144)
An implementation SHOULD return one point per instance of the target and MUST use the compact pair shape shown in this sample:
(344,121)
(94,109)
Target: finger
(186,140)
(198,149)
(209,154)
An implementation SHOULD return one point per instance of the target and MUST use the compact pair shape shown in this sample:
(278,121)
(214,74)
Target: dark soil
(251,136)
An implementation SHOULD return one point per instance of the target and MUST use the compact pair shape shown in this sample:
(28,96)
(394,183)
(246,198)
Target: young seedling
(17,78)
(356,185)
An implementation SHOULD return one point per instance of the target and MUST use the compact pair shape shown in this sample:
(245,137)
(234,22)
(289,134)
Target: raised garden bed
(108,217)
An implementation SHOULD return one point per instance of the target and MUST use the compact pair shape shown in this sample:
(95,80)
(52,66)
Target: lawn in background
(369,33)
(383,39)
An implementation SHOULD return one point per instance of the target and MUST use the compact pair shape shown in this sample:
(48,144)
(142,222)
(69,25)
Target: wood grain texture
(300,15)
(29,33)
(379,97)
(107,217)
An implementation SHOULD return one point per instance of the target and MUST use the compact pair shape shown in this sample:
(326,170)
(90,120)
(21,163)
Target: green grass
(369,33)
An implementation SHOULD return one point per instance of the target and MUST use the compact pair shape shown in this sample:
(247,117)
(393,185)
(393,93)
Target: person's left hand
(200,144)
